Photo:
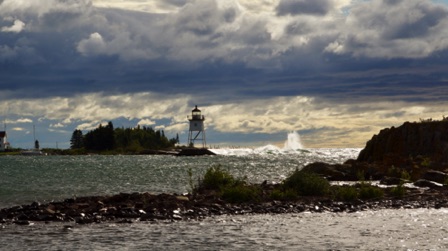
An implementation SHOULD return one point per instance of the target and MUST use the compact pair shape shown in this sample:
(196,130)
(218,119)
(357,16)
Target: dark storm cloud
(298,7)
(210,49)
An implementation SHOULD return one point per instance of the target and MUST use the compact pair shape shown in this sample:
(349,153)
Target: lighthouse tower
(197,130)
(3,142)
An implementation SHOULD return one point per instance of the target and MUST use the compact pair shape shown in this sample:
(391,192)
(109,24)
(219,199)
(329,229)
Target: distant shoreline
(181,151)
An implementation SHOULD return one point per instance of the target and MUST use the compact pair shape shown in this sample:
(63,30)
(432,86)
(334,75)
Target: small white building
(3,141)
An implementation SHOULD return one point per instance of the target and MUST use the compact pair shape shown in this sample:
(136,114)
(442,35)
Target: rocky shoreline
(138,207)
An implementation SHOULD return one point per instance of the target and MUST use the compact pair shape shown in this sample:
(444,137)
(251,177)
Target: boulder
(194,152)
(391,181)
(427,183)
(328,171)
(436,176)
(371,171)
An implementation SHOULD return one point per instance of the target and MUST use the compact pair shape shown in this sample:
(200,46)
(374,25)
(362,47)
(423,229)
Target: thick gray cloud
(298,7)
(212,45)
(201,18)
(391,29)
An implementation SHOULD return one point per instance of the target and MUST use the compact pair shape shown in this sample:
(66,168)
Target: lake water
(24,179)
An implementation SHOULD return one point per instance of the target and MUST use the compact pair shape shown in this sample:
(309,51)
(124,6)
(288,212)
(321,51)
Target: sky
(335,71)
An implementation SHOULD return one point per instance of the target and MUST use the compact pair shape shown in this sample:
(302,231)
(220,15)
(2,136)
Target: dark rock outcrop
(412,151)
(424,142)
(195,152)
(351,170)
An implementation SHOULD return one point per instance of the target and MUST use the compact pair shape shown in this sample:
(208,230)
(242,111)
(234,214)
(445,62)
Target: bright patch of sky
(441,1)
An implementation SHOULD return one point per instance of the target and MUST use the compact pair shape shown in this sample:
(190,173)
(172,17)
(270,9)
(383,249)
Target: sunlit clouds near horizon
(335,71)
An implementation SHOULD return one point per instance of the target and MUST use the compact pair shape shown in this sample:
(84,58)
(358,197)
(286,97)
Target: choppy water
(421,229)
(26,179)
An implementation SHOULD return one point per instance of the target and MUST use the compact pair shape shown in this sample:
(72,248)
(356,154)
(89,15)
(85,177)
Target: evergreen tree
(100,139)
(126,139)
(76,142)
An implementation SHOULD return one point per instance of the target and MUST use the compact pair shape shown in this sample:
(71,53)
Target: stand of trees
(106,138)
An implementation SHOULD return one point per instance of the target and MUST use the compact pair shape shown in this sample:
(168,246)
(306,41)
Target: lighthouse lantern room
(197,130)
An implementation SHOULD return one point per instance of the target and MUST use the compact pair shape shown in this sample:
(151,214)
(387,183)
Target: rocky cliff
(423,142)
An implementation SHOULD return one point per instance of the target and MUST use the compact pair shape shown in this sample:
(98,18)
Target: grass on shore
(222,184)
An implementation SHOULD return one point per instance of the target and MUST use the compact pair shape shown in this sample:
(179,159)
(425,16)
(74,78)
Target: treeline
(126,140)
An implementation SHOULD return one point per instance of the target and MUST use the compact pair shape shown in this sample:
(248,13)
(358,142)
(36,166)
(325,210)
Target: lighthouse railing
(195,117)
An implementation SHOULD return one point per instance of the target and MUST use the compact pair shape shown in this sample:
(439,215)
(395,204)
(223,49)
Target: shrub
(426,162)
(307,184)
(360,175)
(398,191)
(398,173)
(215,179)
(228,188)
(368,191)
(285,195)
(241,193)
(405,175)
(346,193)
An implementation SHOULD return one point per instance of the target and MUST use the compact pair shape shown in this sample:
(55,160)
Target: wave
(292,145)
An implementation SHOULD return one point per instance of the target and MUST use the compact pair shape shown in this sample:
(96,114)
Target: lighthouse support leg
(191,139)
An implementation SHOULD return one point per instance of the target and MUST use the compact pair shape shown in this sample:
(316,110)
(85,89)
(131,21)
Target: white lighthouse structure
(197,129)
(3,142)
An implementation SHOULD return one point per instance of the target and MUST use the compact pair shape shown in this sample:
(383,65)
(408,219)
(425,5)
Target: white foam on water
(292,145)
(233,151)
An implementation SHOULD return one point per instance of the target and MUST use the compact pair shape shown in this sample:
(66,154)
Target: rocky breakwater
(120,208)
(143,207)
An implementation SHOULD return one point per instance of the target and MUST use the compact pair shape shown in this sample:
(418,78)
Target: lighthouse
(3,142)
(197,130)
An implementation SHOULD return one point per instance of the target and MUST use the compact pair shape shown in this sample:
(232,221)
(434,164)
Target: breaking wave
(292,145)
